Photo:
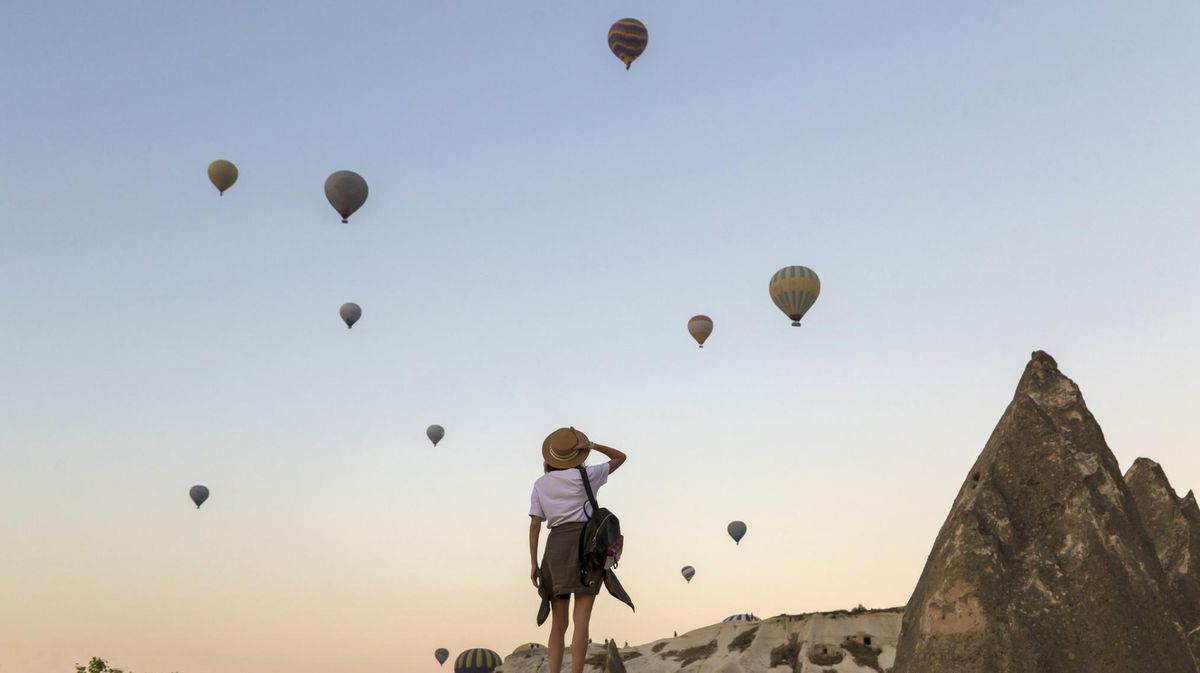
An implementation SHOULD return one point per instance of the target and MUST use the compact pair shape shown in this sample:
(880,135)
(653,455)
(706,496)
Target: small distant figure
(674,634)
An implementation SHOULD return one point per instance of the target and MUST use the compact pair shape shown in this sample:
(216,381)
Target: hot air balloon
(477,660)
(688,573)
(346,191)
(627,39)
(350,313)
(435,433)
(794,290)
(700,326)
(736,530)
(199,494)
(744,617)
(222,174)
(441,654)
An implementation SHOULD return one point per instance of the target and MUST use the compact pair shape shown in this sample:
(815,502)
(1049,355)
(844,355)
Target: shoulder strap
(587,486)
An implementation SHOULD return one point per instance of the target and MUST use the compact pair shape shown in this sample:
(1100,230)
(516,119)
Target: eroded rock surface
(1043,564)
(1173,524)
(837,642)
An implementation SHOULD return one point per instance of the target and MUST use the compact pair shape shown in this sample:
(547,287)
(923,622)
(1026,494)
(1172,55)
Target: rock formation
(1173,524)
(1043,565)
(842,642)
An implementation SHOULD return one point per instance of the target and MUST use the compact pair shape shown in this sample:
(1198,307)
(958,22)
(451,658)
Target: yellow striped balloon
(478,660)
(794,290)
(627,39)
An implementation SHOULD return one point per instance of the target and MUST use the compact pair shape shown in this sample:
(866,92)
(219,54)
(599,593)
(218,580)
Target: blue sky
(971,183)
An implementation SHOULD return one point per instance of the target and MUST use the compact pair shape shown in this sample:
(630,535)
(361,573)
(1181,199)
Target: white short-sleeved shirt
(558,496)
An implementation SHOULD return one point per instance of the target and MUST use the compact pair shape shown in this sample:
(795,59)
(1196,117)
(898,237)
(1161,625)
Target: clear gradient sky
(972,181)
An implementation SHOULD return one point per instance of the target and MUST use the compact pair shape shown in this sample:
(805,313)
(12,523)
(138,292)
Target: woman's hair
(547,469)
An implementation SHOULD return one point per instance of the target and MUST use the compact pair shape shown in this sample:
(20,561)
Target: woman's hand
(533,576)
(582,441)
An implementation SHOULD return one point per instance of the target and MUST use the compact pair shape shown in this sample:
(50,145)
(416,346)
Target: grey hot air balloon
(688,573)
(346,191)
(350,313)
(199,494)
(441,654)
(435,433)
(737,530)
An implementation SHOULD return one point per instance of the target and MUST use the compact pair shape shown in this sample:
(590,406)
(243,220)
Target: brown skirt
(560,564)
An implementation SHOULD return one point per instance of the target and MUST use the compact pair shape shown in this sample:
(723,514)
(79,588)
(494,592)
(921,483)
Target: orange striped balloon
(627,39)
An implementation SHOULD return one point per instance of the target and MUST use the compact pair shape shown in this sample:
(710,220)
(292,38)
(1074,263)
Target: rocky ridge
(1173,524)
(830,642)
(1043,563)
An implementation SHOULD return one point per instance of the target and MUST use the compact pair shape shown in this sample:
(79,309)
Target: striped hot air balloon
(477,660)
(688,573)
(794,289)
(744,617)
(627,39)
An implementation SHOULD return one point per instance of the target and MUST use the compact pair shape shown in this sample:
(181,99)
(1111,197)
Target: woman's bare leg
(579,638)
(558,632)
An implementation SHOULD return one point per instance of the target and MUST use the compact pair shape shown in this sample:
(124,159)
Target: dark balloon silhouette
(198,494)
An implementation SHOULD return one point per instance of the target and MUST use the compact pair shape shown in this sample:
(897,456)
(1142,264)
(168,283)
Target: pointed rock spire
(1042,563)
(613,662)
(1173,524)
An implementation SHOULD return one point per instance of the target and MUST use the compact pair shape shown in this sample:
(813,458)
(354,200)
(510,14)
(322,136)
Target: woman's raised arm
(615,457)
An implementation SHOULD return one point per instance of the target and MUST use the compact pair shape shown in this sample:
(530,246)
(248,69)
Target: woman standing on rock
(560,500)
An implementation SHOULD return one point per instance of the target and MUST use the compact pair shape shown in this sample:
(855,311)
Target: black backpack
(601,542)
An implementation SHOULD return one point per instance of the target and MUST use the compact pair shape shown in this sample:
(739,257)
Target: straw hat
(561,448)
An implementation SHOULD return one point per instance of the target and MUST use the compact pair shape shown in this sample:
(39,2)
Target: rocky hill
(1043,563)
(828,642)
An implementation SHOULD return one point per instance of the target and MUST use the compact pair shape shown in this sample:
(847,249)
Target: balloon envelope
(350,313)
(794,289)
(736,530)
(700,327)
(478,660)
(441,654)
(222,174)
(627,39)
(744,617)
(346,191)
(688,573)
(198,494)
(435,433)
